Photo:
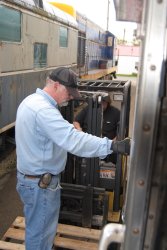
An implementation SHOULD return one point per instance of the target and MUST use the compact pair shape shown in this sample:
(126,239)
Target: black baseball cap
(68,78)
(107,99)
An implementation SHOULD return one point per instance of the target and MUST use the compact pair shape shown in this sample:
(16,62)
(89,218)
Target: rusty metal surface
(129,10)
(14,89)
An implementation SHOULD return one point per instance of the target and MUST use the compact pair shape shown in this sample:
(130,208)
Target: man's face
(63,95)
(104,105)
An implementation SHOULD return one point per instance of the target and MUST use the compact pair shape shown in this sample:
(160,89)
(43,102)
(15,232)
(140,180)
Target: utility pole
(108,14)
(124,36)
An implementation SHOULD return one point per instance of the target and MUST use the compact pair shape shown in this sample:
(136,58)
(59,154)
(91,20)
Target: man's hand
(122,147)
(77,126)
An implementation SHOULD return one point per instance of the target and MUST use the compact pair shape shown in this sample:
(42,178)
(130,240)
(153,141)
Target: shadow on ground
(10,204)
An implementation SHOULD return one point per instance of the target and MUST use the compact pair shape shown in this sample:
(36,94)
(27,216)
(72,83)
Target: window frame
(3,40)
(67,37)
(40,64)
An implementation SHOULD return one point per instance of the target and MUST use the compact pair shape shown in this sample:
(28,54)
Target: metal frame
(148,104)
(86,206)
(146,200)
(156,238)
(88,173)
(117,86)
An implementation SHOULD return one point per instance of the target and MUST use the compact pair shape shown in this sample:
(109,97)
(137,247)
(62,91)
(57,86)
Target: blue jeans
(41,211)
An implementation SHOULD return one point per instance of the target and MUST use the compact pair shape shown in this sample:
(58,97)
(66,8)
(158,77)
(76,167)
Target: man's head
(62,85)
(106,101)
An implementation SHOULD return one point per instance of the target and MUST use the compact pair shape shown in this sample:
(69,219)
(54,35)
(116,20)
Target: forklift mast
(87,181)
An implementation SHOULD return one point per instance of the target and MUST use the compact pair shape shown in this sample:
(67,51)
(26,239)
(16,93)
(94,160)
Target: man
(111,118)
(43,138)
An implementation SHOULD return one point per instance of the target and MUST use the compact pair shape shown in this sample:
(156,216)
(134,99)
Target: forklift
(92,189)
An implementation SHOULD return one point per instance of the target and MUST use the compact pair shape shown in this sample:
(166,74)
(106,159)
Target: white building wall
(126,64)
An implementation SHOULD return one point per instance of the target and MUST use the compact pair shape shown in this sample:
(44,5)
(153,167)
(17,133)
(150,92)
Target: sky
(96,10)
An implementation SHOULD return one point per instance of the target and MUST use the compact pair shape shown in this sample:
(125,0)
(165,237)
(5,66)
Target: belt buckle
(45,180)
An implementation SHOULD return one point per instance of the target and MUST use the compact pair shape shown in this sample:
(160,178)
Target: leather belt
(31,176)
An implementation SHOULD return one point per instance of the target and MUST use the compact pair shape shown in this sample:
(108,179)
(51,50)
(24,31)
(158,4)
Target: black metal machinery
(84,196)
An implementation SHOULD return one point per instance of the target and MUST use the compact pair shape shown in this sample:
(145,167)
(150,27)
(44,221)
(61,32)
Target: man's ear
(55,85)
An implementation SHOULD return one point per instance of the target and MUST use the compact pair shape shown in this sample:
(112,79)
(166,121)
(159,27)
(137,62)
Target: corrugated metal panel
(129,10)
(13,89)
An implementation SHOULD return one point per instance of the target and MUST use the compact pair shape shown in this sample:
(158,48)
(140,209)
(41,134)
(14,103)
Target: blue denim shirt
(43,137)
